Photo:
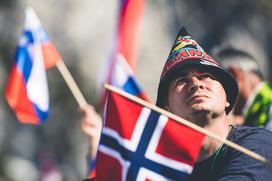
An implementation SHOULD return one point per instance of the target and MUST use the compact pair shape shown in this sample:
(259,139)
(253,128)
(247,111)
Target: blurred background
(82,31)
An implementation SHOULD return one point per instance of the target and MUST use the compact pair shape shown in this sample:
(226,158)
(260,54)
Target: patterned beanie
(187,52)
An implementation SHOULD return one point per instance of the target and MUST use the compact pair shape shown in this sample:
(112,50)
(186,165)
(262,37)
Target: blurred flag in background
(131,12)
(27,90)
(115,71)
(123,78)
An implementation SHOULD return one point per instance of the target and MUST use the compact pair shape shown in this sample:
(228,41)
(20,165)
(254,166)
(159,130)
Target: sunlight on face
(195,90)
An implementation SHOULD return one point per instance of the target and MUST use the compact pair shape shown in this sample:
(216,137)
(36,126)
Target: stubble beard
(201,115)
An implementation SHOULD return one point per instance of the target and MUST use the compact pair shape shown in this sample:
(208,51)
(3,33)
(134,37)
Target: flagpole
(71,84)
(189,124)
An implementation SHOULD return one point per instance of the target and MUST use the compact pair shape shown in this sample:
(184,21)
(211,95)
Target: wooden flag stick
(189,124)
(71,84)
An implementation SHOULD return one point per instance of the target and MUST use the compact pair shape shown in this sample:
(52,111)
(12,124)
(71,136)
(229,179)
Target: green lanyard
(214,160)
(217,153)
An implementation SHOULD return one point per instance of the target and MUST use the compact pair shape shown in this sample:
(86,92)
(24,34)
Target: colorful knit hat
(186,52)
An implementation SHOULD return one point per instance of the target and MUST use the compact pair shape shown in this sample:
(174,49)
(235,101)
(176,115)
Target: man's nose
(195,84)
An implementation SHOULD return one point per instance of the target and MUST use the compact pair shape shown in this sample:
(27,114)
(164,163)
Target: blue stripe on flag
(41,114)
(23,62)
(29,37)
(131,86)
(23,59)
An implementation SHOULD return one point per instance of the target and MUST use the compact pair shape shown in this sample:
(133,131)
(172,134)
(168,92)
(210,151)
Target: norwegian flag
(140,144)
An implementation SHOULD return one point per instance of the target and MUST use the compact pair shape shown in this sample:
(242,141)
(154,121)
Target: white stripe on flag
(125,164)
(151,150)
(131,144)
(148,174)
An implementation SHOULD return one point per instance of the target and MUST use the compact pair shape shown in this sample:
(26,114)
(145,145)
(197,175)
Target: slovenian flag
(27,90)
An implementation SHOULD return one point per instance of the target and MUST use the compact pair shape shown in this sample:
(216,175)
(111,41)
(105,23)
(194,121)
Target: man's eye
(181,80)
(206,76)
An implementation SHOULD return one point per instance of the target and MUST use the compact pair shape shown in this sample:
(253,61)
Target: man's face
(196,91)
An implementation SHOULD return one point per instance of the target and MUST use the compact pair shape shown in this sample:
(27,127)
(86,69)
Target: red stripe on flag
(113,167)
(147,179)
(143,96)
(50,54)
(17,98)
(92,174)
(129,29)
(189,142)
(116,114)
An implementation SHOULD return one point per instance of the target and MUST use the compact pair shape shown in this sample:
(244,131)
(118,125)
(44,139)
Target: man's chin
(199,108)
(196,112)
(199,117)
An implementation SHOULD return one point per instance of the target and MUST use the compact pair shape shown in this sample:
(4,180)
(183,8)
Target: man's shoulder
(249,129)
(254,139)
(236,165)
(246,132)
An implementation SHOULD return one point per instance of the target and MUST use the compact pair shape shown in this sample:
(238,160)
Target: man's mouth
(197,98)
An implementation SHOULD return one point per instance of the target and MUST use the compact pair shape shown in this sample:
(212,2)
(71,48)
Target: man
(255,95)
(194,87)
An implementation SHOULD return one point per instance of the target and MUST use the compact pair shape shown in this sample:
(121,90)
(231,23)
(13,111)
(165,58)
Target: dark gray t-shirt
(232,165)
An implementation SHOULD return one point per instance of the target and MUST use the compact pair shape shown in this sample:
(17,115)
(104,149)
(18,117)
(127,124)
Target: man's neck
(217,125)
